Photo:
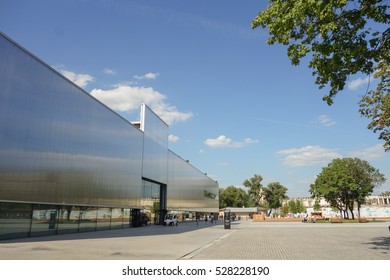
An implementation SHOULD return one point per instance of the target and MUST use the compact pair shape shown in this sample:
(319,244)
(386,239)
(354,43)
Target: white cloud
(308,156)
(109,71)
(355,84)
(224,142)
(79,79)
(147,76)
(128,98)
(325,120)
(125,97)
(316,155)
(370,153)
(173,138)
(169,113)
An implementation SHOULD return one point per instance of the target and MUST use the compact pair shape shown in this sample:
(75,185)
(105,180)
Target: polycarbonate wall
(188,188)
(18,220)
(155,157)
(65,157)
(58,144)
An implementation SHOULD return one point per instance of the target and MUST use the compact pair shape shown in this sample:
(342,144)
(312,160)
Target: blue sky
(235,105)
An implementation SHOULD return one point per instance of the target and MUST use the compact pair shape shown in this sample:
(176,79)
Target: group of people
(206,218)
(306,219)
(211,219)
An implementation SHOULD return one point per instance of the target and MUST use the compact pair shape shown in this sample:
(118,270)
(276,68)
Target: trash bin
(226,219)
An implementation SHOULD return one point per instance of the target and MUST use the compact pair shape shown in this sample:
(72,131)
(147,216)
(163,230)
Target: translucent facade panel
(103,219)
(58,144)
(15,220)
(44,220)
(118,218)
(188,189)
(74,165)
(88,219)
(127,221)
(150,190)
(68,221)
(155,148)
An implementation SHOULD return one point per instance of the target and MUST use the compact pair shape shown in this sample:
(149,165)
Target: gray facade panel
(188,188)
(60,146)
(57,143)
(155,156)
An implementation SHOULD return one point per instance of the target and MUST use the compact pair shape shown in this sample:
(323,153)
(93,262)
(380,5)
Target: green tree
(376,105)
(285,209)
(233,197)
(343,38)
(296,206)
(274,194)
(366,178)
(300,207)
(317,205)
(254,189)
(345,182)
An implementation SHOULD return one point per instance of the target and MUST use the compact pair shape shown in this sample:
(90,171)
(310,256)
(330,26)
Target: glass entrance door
(153,201)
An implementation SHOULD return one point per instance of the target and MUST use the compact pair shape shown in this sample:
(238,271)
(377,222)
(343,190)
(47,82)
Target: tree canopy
(233,197)
(271,196)
(345,182)
(376,105)
(293,206)
(296,206)
(255,189)
(274,194)
(343,38)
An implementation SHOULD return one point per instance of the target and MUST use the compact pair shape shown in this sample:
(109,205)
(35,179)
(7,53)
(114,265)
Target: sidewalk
(245,240)
(303,241)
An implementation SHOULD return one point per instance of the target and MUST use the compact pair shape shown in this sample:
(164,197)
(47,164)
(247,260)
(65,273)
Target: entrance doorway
(154,201)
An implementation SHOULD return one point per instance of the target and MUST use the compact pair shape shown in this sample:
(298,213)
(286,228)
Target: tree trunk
(68,211)
(346,215)
(352,214)
(359,211)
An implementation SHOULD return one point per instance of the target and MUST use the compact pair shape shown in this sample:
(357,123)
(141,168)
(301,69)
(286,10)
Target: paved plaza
(246,240)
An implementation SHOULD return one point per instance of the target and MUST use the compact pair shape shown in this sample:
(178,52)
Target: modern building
(68,163)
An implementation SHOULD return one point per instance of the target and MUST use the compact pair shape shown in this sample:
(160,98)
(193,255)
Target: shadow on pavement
(380,243)
(149,230)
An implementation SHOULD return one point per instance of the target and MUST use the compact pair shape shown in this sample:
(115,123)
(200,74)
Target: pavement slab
(246,240)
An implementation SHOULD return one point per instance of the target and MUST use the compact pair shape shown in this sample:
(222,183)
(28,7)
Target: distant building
(244,213)
(375,206)
(378,200)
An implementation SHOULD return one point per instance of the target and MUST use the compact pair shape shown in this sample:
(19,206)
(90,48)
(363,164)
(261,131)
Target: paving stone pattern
(246,240)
